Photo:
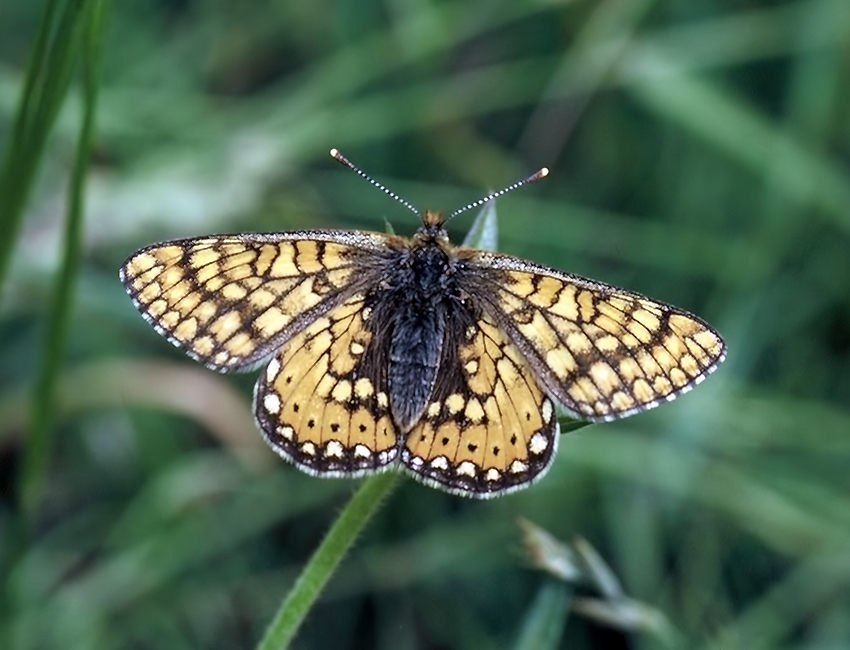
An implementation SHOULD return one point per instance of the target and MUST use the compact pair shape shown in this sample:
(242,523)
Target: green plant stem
(44,392)
(325,560)
(48,77)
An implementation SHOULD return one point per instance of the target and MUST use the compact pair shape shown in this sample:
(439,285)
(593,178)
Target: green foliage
(697,154)
(89,21)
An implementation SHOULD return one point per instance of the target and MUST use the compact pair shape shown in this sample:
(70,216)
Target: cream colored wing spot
(488,412)
(230,301)
(327,399)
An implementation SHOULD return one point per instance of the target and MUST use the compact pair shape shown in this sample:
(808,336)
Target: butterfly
(385,352)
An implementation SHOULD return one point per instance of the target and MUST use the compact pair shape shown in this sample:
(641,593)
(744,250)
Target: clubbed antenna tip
(543,172)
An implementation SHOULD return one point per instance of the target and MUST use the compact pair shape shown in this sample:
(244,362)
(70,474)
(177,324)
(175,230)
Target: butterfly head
(433,219)
(432,227)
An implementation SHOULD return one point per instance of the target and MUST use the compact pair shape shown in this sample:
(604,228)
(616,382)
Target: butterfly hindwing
(230,301)
(489,427)
(322,401)
(602,352)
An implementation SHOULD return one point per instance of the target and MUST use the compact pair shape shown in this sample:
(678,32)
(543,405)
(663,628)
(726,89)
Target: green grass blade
(43,404)
(544,623)
(25,146)
(805,176)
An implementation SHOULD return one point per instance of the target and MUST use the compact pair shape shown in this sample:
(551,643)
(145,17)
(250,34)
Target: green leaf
(484,233)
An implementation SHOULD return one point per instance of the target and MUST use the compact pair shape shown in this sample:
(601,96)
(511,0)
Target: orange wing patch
(490,427)
(322,401)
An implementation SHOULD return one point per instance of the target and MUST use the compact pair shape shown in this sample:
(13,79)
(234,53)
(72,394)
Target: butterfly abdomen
(415,347)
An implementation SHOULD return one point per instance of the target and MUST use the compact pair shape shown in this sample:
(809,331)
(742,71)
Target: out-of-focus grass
(697,154)
(84,24)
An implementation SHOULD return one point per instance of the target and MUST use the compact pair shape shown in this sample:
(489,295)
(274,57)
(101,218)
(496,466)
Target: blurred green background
(698,153)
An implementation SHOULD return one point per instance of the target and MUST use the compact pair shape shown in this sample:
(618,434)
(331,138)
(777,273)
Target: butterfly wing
(602,352)
(322,401)
(230,301)
(490,428)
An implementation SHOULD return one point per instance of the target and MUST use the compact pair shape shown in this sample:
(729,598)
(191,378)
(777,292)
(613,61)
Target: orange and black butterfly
(383,352)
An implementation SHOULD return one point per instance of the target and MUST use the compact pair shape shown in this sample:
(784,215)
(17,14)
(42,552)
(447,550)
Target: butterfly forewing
(230,301)
(602,352)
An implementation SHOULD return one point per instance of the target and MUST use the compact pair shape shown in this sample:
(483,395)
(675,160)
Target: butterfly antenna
(543,172)
(345,161)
